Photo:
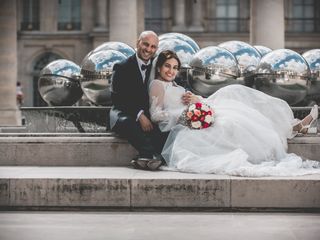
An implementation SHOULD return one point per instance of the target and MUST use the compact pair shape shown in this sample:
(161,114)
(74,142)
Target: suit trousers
(146,143)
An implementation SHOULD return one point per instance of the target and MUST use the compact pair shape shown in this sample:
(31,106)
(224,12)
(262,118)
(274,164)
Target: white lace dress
(248,137)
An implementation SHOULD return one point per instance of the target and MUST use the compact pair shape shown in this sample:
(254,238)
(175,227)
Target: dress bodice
(165,103)
(173,96)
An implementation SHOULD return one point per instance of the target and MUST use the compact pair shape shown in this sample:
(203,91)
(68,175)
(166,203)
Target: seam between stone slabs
(130,192)
(230,194)
(9,194)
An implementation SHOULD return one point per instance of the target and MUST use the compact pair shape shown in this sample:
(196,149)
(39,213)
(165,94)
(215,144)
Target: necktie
(144,67)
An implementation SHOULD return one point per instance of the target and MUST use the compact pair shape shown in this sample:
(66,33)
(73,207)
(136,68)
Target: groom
(129,117)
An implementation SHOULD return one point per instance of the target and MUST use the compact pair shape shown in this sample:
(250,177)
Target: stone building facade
(43,30)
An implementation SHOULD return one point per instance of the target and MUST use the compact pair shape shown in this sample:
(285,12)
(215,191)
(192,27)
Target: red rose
(204,113)
(205,125)
(209,112)
(202,118)
(194,118)
(198,105)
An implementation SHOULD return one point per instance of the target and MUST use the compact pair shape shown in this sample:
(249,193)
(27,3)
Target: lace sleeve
(156,94)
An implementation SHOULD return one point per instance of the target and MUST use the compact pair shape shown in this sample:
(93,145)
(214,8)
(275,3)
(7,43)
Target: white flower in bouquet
(192,107)
(205,108)
(196,124)
(208,119)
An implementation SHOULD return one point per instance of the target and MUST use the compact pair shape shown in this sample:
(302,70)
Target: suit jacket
(129,93)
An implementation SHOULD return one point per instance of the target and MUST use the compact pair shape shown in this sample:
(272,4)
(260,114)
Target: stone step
(95,149)
(115,187)
(64,149)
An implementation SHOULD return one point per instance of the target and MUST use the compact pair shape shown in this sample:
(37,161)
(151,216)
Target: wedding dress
(248,137)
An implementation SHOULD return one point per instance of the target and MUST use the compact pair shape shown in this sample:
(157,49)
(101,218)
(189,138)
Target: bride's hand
(145,123)
(189,97)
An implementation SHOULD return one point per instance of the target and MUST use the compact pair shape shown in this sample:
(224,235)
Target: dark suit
(130,95)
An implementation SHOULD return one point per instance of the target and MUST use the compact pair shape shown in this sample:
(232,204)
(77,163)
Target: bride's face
(169,70)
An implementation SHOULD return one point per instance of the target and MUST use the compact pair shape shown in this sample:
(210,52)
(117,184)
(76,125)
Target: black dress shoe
(142,163)
(154,164)
(134,164)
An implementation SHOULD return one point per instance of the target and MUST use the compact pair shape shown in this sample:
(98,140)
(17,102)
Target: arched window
(42,61)
(69,17)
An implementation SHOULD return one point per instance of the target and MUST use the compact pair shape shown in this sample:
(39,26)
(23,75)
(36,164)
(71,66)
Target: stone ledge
(69,187)
(75,149)
(95,149)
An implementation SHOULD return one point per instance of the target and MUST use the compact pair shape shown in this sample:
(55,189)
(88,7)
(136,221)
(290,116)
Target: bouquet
(197,116)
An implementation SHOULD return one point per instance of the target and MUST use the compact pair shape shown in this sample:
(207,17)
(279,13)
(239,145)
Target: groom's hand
(145,123)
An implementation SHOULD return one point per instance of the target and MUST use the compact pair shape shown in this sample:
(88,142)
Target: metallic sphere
(247,56)
(313,59)
(96,72)
(58,83)
(118,46)
(184,51)
(285,74)
(212,68)
(262,49)
(180,36)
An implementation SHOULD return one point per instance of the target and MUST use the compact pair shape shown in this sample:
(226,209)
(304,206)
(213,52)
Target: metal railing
(228,24)
(30,26)
(303,25)
(69,26)
(158,24)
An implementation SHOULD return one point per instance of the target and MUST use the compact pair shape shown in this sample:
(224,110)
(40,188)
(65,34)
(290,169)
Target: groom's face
(147,47)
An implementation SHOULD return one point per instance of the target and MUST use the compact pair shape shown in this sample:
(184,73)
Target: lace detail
(157,112)
(166,103)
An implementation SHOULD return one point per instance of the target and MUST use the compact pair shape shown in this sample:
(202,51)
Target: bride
(248,137)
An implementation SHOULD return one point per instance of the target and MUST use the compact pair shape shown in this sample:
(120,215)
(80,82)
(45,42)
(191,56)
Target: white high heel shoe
(312,126)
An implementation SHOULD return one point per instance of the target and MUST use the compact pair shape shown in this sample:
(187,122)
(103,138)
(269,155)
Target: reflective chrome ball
(247,56)
(262,49)
(212,68)
(58,83)
(118,46)
(285,74)
(180,36)
(313,59)
(182,49)
(96,72)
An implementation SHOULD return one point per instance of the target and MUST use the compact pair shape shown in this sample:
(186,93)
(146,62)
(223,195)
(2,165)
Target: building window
(227,17)
(303,16)
(43,61)
(69,15)
(30,15)
(153,19)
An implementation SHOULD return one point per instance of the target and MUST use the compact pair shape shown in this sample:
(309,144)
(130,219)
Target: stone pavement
(158,225)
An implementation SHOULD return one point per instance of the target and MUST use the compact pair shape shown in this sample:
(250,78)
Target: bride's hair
(163,57)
